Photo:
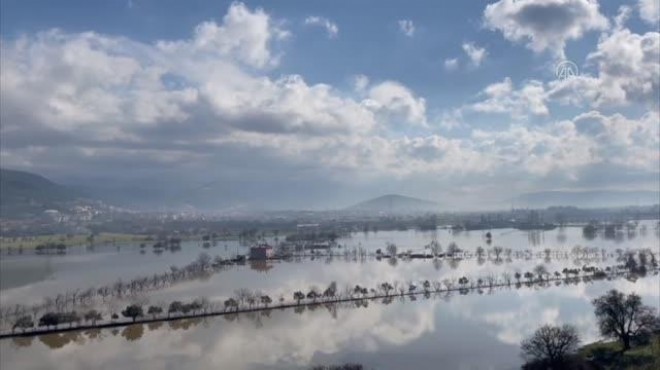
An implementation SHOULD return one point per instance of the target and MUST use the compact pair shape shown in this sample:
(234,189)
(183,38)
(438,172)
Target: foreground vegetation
(610,355)
(635,326)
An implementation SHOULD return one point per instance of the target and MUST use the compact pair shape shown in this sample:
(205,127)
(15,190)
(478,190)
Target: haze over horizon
(294,105)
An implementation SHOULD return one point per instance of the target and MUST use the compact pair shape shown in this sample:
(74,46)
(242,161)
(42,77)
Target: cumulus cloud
(649,11)
(545,25)
(330,26)
(503,97)
(77,102)
(628,72)
(476,54)
(396,103)
(407,27)
(244,34)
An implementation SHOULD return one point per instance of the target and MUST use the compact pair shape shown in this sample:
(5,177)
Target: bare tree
(550,344)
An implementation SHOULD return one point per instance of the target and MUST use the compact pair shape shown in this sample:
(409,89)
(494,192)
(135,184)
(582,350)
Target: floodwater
(477,331)
(453,332)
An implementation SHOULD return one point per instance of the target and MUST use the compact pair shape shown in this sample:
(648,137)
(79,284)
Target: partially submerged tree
(93,316)
(174,307)
(298,296)
(154,311)
(624,317)
(133,311)
(23,322)
(550,345)
(265,300)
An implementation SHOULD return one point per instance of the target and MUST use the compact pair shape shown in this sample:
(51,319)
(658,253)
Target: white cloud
(622,17)
(649,11)
(396,103)
(621,140)
(84,101)
(546,25)
(330,26)
(407,27)
(244,35)
(451,64)
(502,97)
(476,54)
(628,72)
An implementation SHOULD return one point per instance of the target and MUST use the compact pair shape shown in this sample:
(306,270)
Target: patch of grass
(608,355)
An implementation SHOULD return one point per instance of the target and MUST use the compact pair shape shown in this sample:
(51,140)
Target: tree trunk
(626,343)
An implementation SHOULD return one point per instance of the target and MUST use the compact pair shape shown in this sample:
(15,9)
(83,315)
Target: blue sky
(465,96)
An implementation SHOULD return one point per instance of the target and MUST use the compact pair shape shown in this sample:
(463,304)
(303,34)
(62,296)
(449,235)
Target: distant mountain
(588,199)
(393,203)
(24,194)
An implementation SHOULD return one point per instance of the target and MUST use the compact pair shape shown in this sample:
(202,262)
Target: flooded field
(478,330)
(475,331)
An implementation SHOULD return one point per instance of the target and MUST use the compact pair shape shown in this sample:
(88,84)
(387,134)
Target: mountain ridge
(25,193)
(394,203)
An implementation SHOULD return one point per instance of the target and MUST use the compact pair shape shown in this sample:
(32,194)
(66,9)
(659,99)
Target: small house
(261,252)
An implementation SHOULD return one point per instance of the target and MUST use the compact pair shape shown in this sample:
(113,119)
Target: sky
(309,104)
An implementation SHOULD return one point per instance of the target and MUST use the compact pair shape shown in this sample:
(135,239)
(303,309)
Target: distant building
(261,252)
(307,229)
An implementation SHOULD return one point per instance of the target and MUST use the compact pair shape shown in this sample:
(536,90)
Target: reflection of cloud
(354,330)
(519,322)
(288,340)
(556,305)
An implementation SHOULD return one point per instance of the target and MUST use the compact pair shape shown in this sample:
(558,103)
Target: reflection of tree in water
(185,324)
(133,332)
(256,318)
(231,317)
(93,333)
(561,236)
(59,340)
(22,341)
(534,237)
(454,262)
(154,325)
(437,264)
(299,309)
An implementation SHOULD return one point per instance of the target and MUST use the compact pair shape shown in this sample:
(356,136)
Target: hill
(24,194)
(589,199)
(394,203)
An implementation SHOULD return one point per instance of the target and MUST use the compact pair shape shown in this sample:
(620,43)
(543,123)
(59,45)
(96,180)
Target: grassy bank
(30,242)
(608,355)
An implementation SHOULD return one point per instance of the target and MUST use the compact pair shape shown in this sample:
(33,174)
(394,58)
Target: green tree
(624,316)
(133,311)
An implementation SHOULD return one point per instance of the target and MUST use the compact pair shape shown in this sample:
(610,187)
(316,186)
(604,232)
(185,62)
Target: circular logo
(566,69)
